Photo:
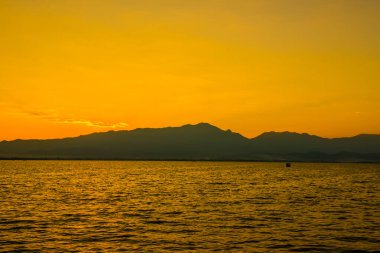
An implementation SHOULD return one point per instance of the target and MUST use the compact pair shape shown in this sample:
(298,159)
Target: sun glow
(69,67)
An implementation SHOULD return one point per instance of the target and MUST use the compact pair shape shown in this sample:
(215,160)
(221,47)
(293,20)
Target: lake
(111,206)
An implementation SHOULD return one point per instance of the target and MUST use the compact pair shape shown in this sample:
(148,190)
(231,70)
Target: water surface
(86,206)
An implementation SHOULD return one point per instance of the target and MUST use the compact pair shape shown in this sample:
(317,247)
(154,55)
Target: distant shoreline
(179,160)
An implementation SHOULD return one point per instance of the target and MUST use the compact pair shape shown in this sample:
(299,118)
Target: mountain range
(197,142)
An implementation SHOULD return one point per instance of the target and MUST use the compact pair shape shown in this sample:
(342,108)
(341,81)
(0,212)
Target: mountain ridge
(201,141)
(202,123)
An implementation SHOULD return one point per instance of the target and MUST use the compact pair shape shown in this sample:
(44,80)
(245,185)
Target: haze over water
(188,206)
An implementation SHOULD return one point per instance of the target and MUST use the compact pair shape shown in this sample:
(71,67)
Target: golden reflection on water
(188,206)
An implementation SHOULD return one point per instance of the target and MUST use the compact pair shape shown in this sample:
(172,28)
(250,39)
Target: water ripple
(94,206)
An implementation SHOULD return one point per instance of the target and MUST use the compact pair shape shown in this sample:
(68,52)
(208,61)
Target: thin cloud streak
(92,123)
(53,116)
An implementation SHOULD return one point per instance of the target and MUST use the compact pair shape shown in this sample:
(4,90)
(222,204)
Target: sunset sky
(75,67)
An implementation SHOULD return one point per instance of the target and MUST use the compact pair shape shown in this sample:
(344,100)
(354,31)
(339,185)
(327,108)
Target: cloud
(92,123)
(44,115)
(53,116)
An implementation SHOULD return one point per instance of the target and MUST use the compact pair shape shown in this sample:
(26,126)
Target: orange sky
(71,67)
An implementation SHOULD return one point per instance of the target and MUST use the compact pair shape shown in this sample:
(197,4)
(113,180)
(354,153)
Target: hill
(196,142)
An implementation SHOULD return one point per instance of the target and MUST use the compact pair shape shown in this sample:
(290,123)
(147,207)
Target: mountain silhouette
(197,142)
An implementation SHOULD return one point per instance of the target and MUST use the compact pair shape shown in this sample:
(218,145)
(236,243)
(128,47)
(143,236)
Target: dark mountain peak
(366,136)
(198,125)
(286,135)
(188,128)
(202,125)
(208,128)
